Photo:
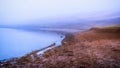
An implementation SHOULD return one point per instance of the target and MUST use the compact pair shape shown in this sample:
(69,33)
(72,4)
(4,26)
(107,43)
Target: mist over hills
(67,24)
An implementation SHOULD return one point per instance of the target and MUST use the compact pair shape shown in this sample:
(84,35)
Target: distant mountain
(69,24)
(86,24)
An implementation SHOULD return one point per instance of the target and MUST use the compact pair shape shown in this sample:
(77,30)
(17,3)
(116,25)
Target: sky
(24,11)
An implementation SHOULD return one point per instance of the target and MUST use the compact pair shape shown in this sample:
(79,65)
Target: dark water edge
(60,35)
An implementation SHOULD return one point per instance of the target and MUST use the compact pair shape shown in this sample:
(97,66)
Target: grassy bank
(96,48)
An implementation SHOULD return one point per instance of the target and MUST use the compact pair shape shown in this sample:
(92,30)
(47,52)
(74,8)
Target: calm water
(16,43)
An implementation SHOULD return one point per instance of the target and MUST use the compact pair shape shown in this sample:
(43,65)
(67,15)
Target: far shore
(97,47)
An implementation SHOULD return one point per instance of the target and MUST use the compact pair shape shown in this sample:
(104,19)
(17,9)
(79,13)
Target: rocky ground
(95,48)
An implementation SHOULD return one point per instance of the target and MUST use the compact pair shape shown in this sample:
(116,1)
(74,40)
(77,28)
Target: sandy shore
(95,48)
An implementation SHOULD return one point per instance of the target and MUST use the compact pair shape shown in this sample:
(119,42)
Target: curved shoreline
(96,48)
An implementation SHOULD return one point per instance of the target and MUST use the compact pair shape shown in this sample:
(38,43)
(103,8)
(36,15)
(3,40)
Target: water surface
(16,43)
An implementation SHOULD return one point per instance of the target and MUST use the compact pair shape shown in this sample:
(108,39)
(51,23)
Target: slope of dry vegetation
(96,48)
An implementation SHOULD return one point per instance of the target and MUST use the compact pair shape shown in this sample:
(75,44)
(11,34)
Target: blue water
(16,43)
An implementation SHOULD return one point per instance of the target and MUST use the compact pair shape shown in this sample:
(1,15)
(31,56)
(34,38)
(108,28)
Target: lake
(16,43)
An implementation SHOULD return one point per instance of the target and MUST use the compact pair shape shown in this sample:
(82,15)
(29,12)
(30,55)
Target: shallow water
(16,43)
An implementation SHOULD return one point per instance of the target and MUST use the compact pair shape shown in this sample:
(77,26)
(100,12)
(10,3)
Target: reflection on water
(16,43)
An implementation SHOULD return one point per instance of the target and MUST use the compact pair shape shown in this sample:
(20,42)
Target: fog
(46,12)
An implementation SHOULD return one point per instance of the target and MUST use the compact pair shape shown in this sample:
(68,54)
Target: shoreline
(95,48)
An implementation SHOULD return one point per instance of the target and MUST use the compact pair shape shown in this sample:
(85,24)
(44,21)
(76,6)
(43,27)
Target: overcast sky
(20,11)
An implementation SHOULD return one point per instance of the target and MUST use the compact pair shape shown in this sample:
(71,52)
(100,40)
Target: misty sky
(23,11)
